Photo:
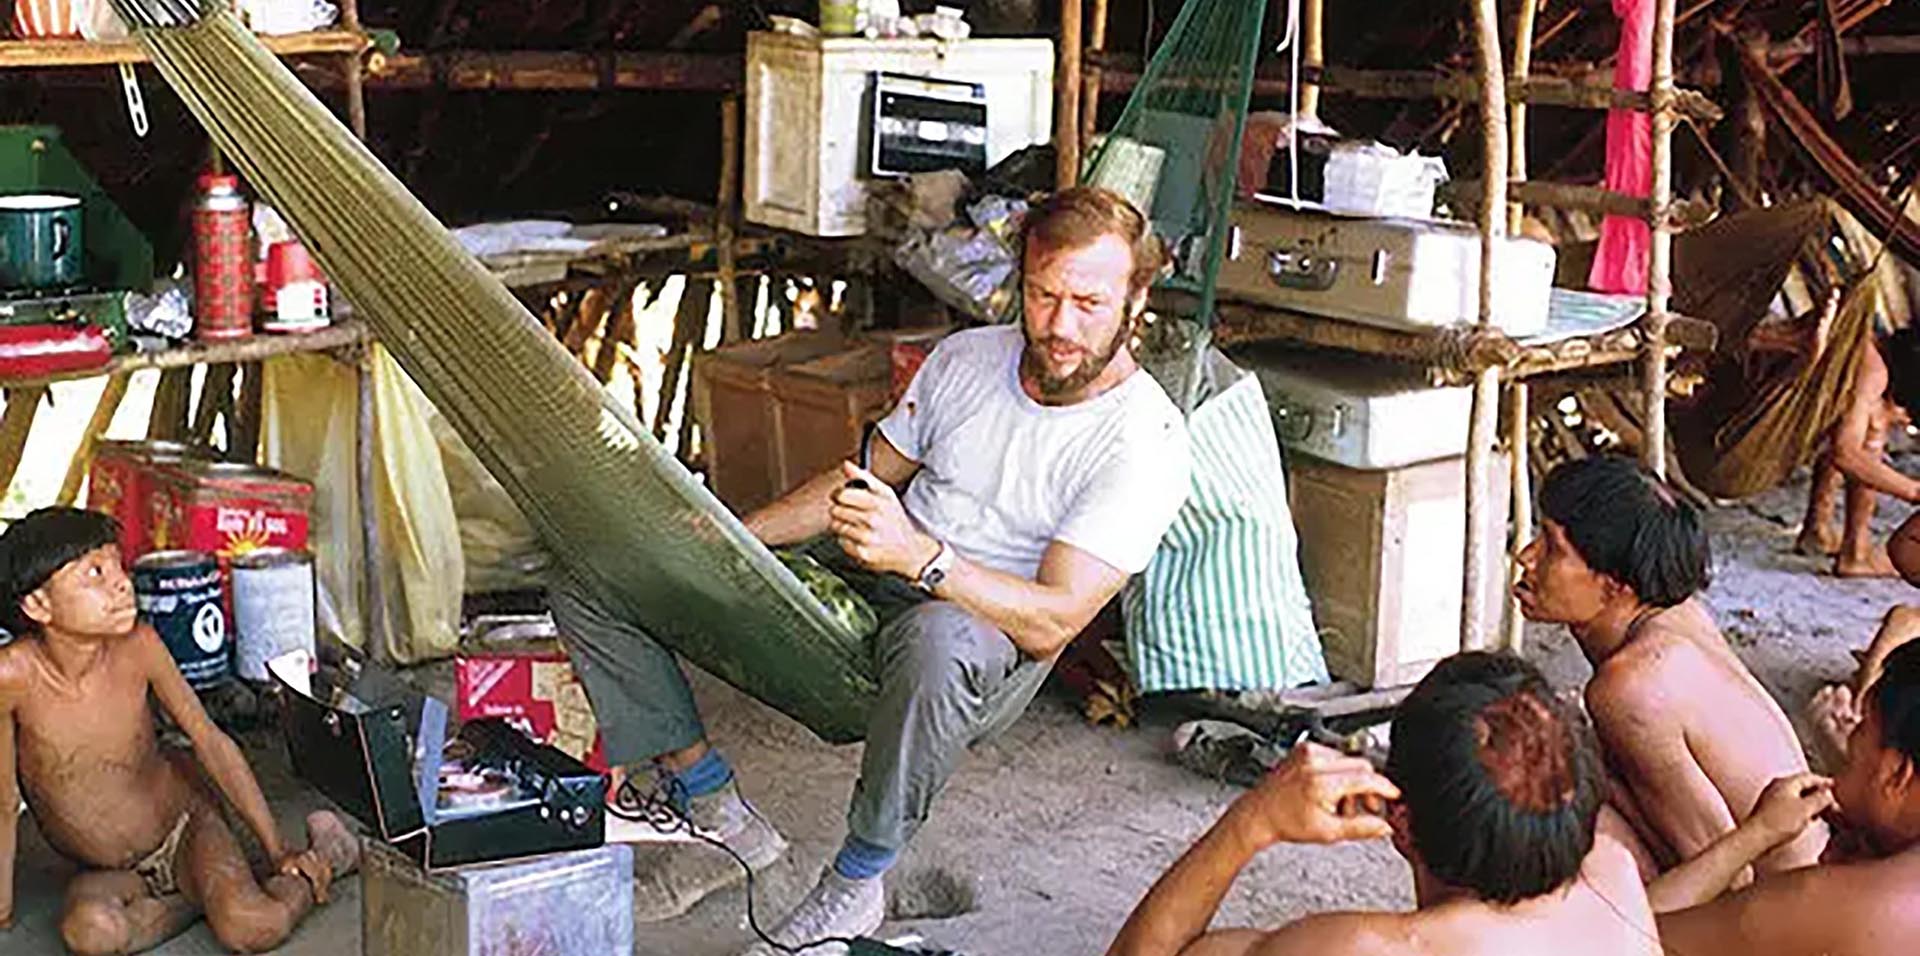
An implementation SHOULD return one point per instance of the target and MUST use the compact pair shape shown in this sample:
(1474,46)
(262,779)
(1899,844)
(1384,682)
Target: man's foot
(329,838)
(1875,564)
(1832,715)
(836,908)
(1817,541)
(668,879)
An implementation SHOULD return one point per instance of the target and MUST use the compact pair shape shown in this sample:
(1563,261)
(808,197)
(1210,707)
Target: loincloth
(156,870)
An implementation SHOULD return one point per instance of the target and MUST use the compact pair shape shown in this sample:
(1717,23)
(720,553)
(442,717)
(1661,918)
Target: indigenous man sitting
(1864,900)
(1691,735)
(146,822)
(1885,387)
(1494,794)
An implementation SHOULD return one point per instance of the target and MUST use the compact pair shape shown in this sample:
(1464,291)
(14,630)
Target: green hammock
(622,515)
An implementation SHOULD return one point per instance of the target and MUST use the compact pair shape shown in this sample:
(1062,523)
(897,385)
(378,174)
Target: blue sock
(860,860)
(707,775)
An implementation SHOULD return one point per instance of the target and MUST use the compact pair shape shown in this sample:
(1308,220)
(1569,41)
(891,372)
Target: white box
(806,156)
(1396,273)
(1361,412)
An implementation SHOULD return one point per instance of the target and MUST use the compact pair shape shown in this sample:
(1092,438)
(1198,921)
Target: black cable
(661,810)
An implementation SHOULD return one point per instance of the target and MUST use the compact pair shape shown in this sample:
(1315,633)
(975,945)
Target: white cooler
(1360,412)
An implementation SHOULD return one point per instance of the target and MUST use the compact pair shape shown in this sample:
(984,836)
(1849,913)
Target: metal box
(1382,553)
(807,129)
(1397,273)
(566,904)
(1360,412)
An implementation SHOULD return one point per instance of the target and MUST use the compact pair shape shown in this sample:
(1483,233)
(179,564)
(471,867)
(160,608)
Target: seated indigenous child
(146,822)
(1863,899)
(1494,799)
(1690,735)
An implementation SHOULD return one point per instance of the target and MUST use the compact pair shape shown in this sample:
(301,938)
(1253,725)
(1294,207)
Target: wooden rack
(1479,354)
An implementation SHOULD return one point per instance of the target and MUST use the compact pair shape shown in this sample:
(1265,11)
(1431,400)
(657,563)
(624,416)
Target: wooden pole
(1090,82)
(1653,448)
(1519,450)
(731,320)
(110,399)
(373,595)
(1517,145)
(171,398)
(1066,107)
(1313,53)
(15,425)
(1483,429)
(355,70)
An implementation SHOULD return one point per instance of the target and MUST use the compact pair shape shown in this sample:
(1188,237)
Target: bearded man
(1024,476)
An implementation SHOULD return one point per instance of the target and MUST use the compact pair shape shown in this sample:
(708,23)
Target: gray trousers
(948,680)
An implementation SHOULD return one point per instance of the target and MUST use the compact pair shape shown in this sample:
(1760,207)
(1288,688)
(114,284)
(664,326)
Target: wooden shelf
(31,54)
(260,346)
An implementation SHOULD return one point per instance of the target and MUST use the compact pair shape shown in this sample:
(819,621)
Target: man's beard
(1033,365)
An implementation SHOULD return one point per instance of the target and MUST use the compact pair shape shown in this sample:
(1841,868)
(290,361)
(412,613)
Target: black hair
(1500,777)
(1630,526)
(1896,696)
(1901,352)
(38,545)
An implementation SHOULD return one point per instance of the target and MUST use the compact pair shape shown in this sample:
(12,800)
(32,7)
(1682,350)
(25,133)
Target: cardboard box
(537,693)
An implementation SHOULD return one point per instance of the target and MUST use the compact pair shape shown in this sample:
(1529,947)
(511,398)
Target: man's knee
(248,926)
(95,928)
(941,645)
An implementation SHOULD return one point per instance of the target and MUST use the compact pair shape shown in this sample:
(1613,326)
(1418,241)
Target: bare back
(1694,736)
(90,765)
(1855,909)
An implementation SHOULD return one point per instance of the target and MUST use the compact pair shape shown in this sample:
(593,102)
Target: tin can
(117,484)
(223,273)
(273,604)
(227,509)
(179,593)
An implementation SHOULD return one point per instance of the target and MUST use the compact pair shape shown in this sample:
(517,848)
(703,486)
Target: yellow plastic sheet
(310,410)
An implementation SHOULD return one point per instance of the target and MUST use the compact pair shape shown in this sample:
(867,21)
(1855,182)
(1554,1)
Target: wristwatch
(936,570)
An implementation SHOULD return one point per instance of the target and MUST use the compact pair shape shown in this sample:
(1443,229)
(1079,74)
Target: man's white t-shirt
(1002,475)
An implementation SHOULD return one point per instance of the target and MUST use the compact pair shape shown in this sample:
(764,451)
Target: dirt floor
(1046,838)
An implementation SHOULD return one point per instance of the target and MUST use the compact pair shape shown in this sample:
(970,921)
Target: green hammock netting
(618,511)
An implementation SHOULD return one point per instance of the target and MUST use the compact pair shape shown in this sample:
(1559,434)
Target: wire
(661,810)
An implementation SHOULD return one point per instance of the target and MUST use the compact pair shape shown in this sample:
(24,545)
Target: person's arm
(216,752)
(1039,616)
(9,809)
(1640,730)
(1785,809)
(1901,625)
(801,514)
(1827,910)
(1315,796)
(1851,453)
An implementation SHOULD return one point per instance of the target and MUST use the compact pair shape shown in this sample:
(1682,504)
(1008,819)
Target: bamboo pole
(1483,429)
(1519,450)
(1653,449)
(1066,107)
(1517,144)
(110,399)
(373,594)
(1090,82)
(731,324)
(1313,53)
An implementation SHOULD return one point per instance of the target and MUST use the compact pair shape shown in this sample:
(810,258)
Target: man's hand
(1789,804)
(1316,796)
(874,529)
(310,866)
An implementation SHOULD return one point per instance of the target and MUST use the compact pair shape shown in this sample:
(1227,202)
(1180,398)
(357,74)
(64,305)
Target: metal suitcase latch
(1302,270)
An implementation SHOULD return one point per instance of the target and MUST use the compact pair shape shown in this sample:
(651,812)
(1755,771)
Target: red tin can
(117,484)
(223,260)
(226,509)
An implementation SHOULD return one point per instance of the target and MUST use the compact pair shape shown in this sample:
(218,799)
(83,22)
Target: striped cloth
(46,19)
(1223,606)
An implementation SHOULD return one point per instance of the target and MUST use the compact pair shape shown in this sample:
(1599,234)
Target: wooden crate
(732,396)
(821,408)
(1382,554)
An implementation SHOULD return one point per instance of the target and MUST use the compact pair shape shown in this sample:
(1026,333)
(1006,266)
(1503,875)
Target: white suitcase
(1400,273)
(1364,413)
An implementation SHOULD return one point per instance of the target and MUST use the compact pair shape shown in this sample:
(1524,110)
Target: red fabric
(1620,263)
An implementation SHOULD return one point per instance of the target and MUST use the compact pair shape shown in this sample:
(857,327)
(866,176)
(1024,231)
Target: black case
(380,762)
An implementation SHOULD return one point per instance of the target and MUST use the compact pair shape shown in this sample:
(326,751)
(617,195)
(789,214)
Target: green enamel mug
(41,243)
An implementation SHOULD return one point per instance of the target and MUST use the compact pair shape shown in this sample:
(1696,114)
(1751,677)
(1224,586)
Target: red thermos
(222,260)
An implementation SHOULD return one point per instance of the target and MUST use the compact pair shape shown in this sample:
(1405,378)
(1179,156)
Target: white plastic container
(806,152)
(1368,179)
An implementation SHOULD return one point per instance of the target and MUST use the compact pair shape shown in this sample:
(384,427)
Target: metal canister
(223,270)
(273,608)
(179,593)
